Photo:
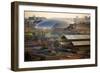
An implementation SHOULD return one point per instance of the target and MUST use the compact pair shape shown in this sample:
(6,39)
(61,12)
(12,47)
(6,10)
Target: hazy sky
(54,15)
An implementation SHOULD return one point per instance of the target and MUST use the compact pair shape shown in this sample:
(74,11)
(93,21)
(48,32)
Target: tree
(56,44)
(63,39)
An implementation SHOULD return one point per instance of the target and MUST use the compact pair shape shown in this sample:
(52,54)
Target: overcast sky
(54,15)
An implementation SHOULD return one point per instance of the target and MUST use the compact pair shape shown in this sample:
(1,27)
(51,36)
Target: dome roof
(52,24)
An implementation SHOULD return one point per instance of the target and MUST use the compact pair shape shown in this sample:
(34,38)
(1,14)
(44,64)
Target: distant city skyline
(55,15)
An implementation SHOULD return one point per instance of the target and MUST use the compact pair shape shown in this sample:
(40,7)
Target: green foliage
(64,39)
